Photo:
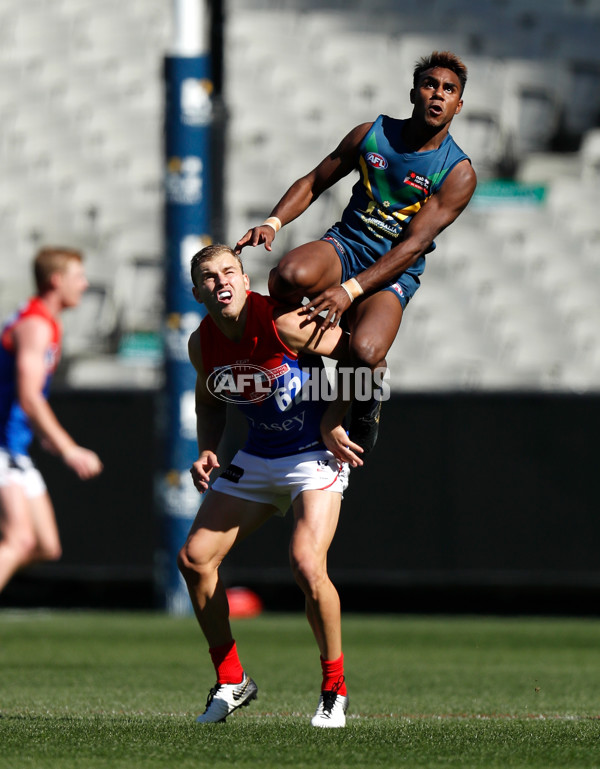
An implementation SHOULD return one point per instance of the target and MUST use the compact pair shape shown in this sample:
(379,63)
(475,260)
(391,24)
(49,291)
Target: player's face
(221,286)
(437,98)
(72,283)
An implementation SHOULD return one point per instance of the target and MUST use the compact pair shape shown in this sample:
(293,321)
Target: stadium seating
(81,162)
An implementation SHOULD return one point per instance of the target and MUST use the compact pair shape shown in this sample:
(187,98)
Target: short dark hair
(52,259)
(444,59)
(210,252)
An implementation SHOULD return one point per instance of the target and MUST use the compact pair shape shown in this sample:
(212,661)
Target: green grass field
(81,690)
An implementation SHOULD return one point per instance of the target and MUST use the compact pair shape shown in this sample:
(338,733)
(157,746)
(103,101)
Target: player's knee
(309,573)
(293,273)
(284,290)
(184,564)
(193,564)
(276,285)
(51,551)
(367,351)
(23,546)
(289,271)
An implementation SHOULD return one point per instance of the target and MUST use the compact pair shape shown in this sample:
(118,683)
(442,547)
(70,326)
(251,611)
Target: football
(243,603)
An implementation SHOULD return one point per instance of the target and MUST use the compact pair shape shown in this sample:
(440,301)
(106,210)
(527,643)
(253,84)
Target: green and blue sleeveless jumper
(393,186)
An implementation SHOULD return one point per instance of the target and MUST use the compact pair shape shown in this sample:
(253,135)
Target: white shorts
(279,481)
(19,469)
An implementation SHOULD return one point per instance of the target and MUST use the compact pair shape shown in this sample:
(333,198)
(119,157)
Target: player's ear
(55,279)
(246,282)
(196,294)
(411,96)
(459,107)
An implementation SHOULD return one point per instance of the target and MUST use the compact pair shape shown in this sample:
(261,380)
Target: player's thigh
(316,515)
(313,266)
(15,514)
(374,324)
(44,523)
(221,522)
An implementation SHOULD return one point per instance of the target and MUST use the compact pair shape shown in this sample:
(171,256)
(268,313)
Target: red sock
(333,676)
(227,663)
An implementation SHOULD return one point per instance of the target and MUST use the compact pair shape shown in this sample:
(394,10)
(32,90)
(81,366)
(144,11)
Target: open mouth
(435,109)
(224,295)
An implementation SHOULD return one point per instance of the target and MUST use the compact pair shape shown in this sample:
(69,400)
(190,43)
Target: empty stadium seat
(298,75)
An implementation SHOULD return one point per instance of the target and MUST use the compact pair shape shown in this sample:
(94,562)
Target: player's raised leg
(374,323)
(305,271)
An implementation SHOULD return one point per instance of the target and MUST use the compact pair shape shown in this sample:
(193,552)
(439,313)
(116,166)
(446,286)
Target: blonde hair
(210,252)
(50,260)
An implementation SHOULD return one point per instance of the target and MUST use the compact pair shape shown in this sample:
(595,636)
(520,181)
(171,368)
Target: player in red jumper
(30,345)
(255,341)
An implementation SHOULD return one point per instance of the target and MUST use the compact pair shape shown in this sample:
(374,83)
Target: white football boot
(331,711)
(223,699)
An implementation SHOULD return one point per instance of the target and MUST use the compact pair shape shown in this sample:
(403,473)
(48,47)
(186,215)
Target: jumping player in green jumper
(414,182)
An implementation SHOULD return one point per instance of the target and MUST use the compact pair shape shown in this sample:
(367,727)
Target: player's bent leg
(305,271)
(17,535)
(374,325)
(48,547)
(221,522)
(365,412)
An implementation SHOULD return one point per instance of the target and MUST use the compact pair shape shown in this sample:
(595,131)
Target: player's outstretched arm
(307,189)
(301,335)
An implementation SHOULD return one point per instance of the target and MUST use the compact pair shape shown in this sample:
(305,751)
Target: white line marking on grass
(440,716)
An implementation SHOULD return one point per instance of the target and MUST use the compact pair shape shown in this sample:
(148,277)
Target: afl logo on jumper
(376,160)
(242,381)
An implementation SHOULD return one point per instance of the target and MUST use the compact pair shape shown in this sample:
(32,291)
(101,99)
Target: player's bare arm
(314,337)
(437,214)
(31,337)
(210,420)
(307,189)
(302,335)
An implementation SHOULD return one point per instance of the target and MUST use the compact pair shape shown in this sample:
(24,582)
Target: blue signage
(188,120)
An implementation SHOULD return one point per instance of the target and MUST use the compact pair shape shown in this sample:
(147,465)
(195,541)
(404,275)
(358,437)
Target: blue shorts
(355,259)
